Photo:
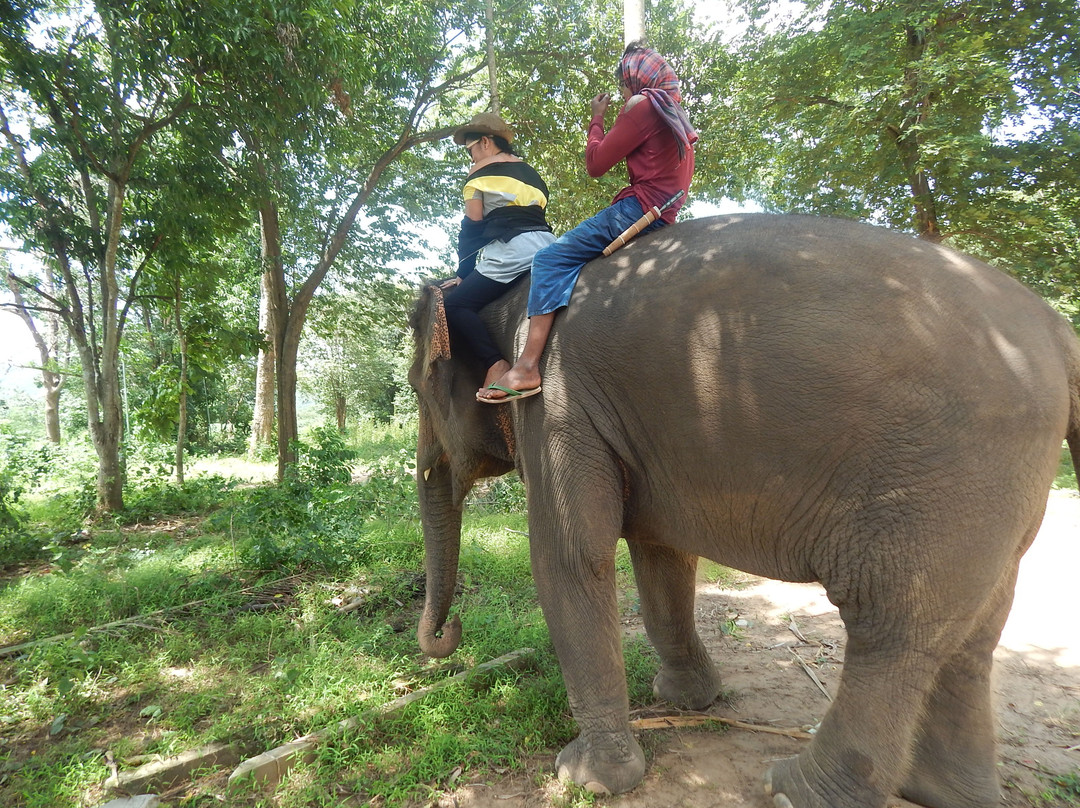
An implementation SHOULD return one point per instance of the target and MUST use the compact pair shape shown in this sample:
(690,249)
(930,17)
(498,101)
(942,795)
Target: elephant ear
(430,372)
(439,332)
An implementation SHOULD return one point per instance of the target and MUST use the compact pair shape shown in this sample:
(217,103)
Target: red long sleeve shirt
(641,137)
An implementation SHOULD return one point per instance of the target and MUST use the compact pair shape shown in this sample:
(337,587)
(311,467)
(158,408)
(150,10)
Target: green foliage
(1061,790)
(1066,475)
(504,494)
(319,518)
(951,120)
(325,460)
(348,357)
(259,670)
(160,498)
(12,485)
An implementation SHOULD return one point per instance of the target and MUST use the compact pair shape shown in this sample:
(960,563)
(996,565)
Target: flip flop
(511,394)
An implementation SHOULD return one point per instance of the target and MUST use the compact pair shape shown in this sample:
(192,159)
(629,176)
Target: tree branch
(14,281)
(148,131)
(815,101)
(135,281)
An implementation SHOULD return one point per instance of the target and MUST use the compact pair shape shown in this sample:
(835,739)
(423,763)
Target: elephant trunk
(440,516)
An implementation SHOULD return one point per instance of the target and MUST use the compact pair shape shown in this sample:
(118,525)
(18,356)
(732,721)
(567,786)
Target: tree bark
(279,320)
(489,37)
(182,408)
(262,419)
(48,349)
(288,429)
(915,108)
(339,411)
(52,411)
(633,21)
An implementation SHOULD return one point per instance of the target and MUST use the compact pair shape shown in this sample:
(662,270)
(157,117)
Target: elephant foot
(789,785)
(691,689)
(939,789)
(609,766)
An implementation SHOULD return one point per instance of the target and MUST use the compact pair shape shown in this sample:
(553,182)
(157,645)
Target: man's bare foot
(494,373)
(514,379)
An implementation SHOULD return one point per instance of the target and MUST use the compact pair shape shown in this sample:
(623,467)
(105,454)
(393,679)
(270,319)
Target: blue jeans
(555,268)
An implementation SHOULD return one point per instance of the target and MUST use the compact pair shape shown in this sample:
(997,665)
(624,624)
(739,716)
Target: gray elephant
(799,398)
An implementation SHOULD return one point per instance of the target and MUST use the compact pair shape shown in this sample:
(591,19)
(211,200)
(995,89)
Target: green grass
(1066,476)
(256,664)
(1060,791)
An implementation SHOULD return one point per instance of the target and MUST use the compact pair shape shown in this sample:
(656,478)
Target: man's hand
(600,104)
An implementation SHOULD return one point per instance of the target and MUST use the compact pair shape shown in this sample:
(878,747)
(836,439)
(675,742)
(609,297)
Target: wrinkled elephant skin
(800,398)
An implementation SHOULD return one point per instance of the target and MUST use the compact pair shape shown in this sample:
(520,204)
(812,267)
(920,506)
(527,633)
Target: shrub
(326,460)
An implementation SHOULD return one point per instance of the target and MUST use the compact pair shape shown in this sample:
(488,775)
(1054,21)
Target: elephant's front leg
(573,530)
(667,583)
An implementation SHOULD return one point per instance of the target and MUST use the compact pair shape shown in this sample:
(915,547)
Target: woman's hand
(601,103)
(450,284)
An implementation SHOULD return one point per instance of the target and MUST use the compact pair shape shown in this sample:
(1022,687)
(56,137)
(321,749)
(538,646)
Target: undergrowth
(234,633)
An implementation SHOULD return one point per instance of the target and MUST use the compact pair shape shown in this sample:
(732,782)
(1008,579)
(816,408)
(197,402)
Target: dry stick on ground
(678,721)
(11,650)
(268,768)
(811,674)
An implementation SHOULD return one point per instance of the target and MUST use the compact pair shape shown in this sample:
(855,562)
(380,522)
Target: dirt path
(1037,683)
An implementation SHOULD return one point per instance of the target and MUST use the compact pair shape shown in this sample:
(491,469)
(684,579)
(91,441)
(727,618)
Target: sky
(16,345)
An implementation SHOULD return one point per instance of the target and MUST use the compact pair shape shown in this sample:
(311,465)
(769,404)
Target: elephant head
(459,441)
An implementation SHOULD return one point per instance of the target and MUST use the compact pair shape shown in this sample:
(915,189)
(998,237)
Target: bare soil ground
(1037,685)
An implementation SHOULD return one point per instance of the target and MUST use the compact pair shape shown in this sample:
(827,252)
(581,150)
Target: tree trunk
(52,412)
(633,21)
(339,411)
(48,349)
(104,414)
(280,321)
(110,481)
(915,108)
(262,419)
(489,37)
(288,429)
(181,418)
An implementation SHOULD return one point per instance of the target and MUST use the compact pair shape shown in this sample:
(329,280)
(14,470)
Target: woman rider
(654,136)
(504,226)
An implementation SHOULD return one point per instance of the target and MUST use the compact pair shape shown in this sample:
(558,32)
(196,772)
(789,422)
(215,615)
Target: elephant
(800,398)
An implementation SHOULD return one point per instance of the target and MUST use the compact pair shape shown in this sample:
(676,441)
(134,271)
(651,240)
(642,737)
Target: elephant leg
(902,629)
(954,762)
(863,742)
(575,517)
(667,581)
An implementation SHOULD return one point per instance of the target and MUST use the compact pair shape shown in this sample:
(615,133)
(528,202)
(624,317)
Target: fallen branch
(679,721)
(811,674)
(268,768)
(793,627)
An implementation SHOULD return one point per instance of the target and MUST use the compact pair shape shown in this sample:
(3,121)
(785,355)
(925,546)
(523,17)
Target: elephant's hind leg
(901,629)
(954,764)
(863,743)
(667,580)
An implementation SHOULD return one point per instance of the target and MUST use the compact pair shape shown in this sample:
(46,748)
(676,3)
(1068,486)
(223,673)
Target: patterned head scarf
(646,72)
